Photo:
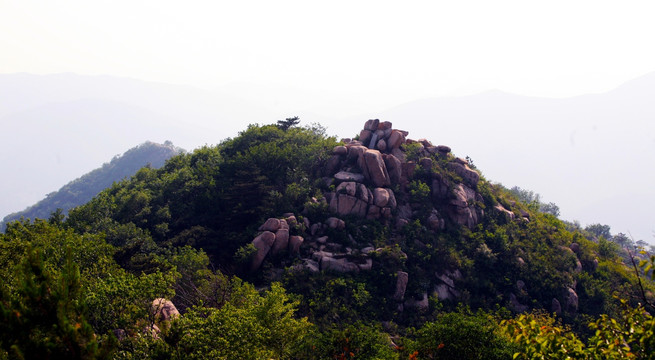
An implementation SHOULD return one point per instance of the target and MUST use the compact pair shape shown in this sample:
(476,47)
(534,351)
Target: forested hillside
(80,191)
(286,243)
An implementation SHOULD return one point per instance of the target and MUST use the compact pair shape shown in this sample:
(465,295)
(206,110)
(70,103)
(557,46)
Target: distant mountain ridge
(83,189)
(576,152)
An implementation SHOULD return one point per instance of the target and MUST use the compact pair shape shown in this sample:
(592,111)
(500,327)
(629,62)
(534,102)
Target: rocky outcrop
(461,168)
(556,307)
(446,289)
(570,300)
(163,310)
(263,244)
(374,169)
(462,209)
(421,304)
(515,305)
(401,285)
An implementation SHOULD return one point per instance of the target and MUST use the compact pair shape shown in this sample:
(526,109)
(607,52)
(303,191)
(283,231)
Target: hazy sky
(373,52)
(339,59)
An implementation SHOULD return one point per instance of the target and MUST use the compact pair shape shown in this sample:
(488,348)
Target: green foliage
(540,337)
(248,326)
(461,335)
(288,122)
(44,318)
(419,193)
(356,341)
(607,249)
(631,336)
(599,230)
(212,197)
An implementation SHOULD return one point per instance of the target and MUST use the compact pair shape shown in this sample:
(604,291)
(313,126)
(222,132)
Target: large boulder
(263,244)
(164,310)
(570,300)
(365,136)
(395,139)
(461,209)
(501,209)
(440,187)
(470,176)
(394,168)
(347,187)
(335,223)
(281,241)
(344,204)
(272,224)
(340,150)
(381,145)
(294,244)
(333,164)
(392,199)
(375,169)
(338,265)
(380,197)
(401,285)
(372,124)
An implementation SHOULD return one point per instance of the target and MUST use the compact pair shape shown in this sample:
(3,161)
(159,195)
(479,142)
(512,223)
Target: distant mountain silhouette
(83,189)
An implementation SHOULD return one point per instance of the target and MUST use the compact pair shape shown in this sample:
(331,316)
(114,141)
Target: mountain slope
(81,190)
(380,247)
(404,220)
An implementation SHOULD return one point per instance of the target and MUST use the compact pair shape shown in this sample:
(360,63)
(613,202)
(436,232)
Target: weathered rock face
(446,290)
(510,215)
(461,208)
(380,197)
(271,224)
(570,300)
(335,223)
(374,169)
(164,310)
(470,176)
(556,307)
(281,241)
(338,265)
(294,243)
(421,305)
(396,138)
(263,243)
(435,222)
(401,285)
(394,168)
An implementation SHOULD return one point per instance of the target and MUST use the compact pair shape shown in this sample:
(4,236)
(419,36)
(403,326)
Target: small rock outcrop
(570,300)
(263,243)
(401,285)
(164,310)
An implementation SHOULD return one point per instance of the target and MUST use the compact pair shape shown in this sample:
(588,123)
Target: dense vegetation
(80,191)
(82,286)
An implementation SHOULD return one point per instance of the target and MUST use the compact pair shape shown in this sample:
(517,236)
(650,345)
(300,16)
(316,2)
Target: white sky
(338,58)
(371,51)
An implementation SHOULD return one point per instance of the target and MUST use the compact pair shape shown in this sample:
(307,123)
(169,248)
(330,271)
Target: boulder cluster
(316,251)
(370,177)
(366,169)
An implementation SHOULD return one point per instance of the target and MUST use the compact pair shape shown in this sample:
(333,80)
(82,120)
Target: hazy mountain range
(83,189)
(589,154)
